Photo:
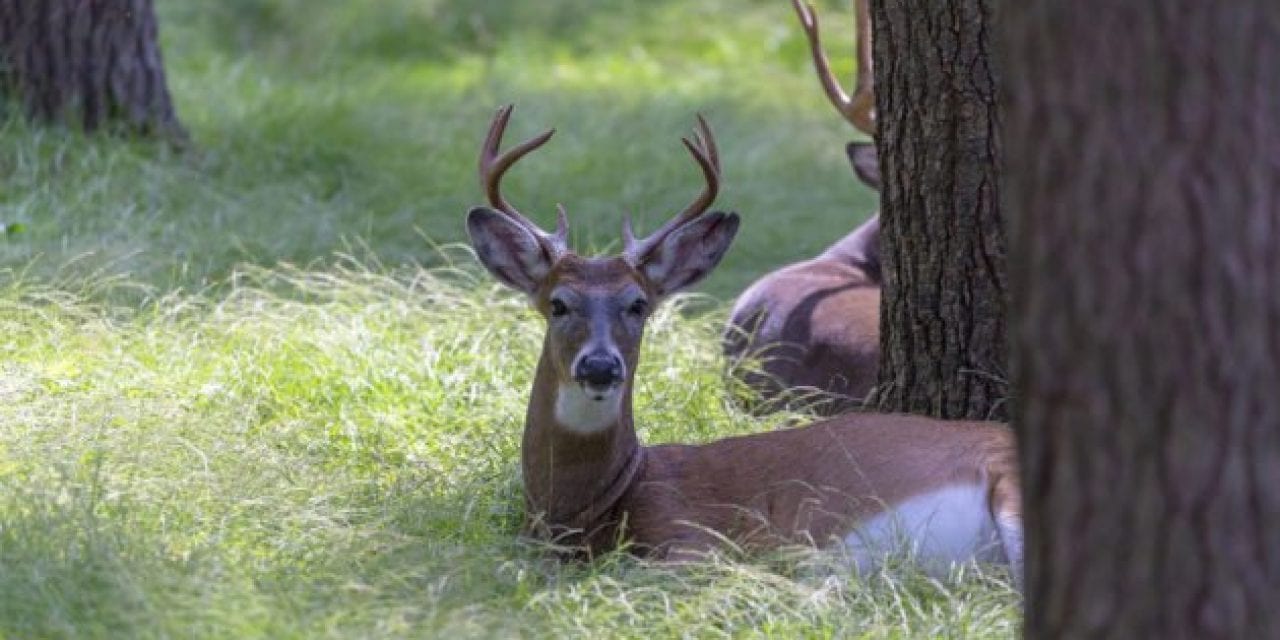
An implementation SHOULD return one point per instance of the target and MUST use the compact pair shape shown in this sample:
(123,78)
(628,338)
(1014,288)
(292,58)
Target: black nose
(598,370)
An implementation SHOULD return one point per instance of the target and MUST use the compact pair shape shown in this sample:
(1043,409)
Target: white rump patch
(587,411)
(936,530)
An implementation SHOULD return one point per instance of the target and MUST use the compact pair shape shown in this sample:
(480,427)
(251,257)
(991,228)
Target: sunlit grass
(334,453)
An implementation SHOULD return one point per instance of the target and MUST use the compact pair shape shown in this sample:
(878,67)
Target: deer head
(595,307)
(863,245)
(859,109)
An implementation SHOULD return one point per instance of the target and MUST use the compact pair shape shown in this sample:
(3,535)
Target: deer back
(809,333)
(814,483)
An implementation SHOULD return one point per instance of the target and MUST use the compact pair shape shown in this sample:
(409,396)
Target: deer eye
(639,307)
(558,308)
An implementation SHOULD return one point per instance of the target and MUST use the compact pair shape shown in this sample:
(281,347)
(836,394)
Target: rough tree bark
(1143,180)
(88,61)
(942,320)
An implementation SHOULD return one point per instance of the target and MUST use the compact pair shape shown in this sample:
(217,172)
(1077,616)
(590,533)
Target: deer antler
(858,109)
(703,149)
(492,167)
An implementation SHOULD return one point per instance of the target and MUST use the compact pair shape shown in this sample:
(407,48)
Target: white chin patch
(586,410)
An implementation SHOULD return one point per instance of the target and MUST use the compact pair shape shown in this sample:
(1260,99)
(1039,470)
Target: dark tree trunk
(1143,180)
(942,320)
(91,62)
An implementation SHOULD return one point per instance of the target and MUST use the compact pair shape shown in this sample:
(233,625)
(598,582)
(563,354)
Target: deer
(808,334)
(872,484)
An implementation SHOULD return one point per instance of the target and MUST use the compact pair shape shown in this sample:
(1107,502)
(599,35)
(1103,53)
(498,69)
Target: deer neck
(573,477)
(858,248)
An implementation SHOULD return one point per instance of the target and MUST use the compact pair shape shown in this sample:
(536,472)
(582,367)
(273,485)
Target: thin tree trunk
(91,62)
(942,321)
(1143,176)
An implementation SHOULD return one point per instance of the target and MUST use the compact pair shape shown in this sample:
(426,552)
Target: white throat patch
(578,409)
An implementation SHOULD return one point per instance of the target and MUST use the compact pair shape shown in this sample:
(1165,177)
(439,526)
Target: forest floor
(256,389)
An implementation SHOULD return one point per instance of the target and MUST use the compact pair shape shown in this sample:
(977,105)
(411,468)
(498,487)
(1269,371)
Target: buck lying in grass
(943,491)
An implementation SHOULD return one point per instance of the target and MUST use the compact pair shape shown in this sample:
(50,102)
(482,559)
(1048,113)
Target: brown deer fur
(811,484)
(808,334)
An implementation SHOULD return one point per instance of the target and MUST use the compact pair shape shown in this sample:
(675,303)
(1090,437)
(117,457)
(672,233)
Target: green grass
(322,124)
(199,440)
(333,453)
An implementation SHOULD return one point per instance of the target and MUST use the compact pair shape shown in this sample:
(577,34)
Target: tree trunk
(1143,183)
(88,61)
(942,321)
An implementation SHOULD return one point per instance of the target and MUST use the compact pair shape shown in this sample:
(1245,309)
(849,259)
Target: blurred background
(323,126)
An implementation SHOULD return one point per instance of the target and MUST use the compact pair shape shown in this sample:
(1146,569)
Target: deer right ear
(690,252)
(508,250)
(866,163)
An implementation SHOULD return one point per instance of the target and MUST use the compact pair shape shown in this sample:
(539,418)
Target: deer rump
(808,334)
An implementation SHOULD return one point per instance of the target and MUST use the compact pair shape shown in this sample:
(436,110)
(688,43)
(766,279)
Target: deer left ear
(866,163)
(690,252)
(508,250)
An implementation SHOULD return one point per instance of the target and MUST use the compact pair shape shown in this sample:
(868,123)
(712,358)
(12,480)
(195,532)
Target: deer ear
(690,252)
(866,163)
(509,251)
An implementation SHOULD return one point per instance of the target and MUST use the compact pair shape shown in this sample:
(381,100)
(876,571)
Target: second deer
(810,331)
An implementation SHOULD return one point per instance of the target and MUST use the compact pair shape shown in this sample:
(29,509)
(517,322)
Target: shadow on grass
(79,564)
(306,31)
(69,570)
(263,189)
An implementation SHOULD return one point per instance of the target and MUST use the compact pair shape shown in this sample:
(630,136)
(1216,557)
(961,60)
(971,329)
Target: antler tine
(493,165)
(859,109)
(707,142)
(703,149)
(863,103)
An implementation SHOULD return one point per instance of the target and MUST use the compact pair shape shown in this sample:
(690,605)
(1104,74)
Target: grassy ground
(324,123)
(334,454)
(191,448)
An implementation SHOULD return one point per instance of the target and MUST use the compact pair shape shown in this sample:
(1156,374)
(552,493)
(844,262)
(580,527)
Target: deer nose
(598,370)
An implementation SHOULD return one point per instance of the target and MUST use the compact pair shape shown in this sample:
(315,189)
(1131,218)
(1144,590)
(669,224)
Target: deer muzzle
(599,371)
